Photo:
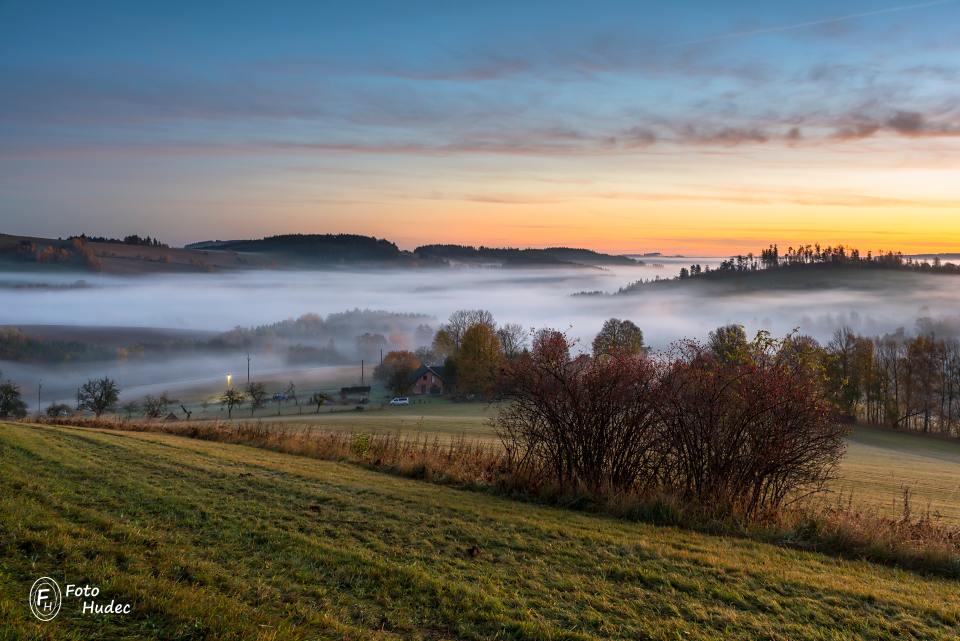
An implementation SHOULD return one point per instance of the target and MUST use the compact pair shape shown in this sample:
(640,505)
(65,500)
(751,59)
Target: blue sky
(502,122)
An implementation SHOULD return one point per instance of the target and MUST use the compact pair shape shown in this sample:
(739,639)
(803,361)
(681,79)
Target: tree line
(132,239)
(896,380)
(812,256)
(471,351)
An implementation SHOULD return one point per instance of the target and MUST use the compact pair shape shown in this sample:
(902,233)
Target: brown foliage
(745,434)
(740,435)
(588,422)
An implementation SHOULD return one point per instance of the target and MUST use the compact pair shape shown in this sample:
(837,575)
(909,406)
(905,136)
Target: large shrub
(589,423)
(734,435)
(745,434)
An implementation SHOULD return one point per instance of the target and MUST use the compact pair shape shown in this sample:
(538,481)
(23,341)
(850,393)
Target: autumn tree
(449,336)
(396,370)
(618,336)
(729,343)
(478,360)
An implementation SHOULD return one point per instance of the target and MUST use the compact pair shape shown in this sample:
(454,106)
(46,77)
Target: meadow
(219,541)
(878,467)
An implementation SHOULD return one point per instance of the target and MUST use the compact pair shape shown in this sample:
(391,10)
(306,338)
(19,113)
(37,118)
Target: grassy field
(216,541)
(878,465)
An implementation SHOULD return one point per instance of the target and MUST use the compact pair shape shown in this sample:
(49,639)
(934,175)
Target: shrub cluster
(736,427)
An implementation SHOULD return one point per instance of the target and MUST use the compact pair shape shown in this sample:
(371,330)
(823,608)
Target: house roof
(423,369)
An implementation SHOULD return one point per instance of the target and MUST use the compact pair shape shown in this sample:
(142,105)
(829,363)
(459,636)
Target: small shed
(355,391)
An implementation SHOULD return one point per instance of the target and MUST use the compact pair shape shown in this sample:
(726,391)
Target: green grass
(877,466)
(434,417)
(880,463)
(216,541)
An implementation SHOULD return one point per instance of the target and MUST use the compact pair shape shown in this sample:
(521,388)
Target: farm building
(428,380)
(362,392)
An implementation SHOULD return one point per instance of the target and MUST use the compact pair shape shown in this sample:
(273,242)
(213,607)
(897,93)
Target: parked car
(400,400)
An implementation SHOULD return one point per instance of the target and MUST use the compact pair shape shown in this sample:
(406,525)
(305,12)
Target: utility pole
(39,389)
(248,369)
(361,371)
(381,356)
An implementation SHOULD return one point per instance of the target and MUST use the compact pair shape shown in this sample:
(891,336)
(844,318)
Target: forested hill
(513,257)
(315,248)
(134,254)
(807,267)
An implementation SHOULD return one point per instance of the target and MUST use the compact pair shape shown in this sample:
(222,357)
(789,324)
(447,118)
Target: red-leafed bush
(745,434)
(732,432)
(588,423)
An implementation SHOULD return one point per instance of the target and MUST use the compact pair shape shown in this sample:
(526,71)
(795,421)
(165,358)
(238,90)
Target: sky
(705,128)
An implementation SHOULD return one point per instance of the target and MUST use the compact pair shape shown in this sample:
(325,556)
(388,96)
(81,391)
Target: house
(428,380)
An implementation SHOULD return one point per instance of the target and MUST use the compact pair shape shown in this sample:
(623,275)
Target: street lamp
(229,381)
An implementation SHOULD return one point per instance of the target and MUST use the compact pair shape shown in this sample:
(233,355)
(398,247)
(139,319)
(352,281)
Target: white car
(400,400)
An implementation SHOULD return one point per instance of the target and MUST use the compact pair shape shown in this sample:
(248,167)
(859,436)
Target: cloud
(726,136)
(911,124)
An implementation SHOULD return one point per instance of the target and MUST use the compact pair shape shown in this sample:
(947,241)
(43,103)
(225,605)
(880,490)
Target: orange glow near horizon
(689,204)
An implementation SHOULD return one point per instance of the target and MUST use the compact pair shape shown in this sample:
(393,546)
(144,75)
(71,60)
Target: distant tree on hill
(99,395)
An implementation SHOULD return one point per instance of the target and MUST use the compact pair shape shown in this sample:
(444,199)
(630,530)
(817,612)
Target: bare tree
(232,398)
(318,399)
(98,395)
(156,406)
(257,393)
(513,339)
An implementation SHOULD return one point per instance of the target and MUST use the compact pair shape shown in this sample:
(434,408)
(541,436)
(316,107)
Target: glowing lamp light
(229,380)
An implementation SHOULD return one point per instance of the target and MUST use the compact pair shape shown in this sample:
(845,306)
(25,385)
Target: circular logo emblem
(45,599)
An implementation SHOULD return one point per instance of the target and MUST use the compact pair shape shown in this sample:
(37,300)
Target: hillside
(513,257)
(213,541)
(22,253)
(291,251)
(814,278)
(315,249)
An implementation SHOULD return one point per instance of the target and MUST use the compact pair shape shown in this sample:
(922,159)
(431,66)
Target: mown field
(216,541)
(877,467)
